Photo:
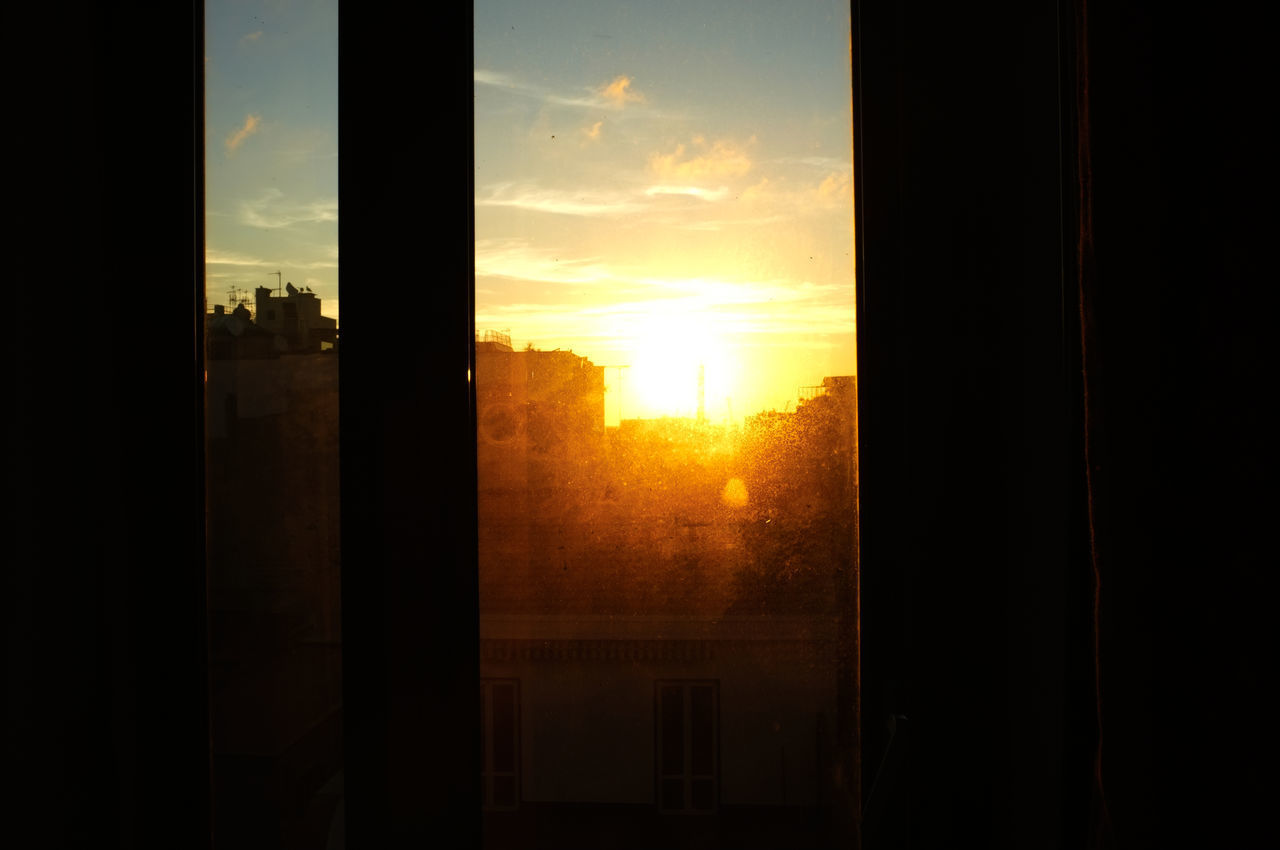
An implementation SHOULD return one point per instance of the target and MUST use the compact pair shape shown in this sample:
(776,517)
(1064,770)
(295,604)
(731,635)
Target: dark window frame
(687,775)
(109,686)
(409,601)
(488,772)
(393,382)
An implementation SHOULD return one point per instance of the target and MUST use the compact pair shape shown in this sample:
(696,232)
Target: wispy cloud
(619,297)
(516,258)
(619,91)
(718,194)
(737,309)
(592,132)
(613,95)
(215,257)
(720,160)
(822,163)
(834,186)
(559,201)
(299,155)
(249,38)
(778,196)
(269,210)
(236,139)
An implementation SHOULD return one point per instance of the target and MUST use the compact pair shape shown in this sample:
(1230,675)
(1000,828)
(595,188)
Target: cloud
(834,185)
(693,191)
(517,259)
(521,259)
(757,190)
(528,197)
(721,160)
(618,92)
(494,78)
(250,37)
(237,138)
(610,96)
(825,163)
(778,196)
(739,308)
(506,82)
(270,211)
(593,132)
(214,257)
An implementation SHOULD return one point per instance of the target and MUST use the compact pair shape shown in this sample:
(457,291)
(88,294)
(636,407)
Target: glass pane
(271,367)
(673,794)
(672,731)
(665,383)
(485,756)
(504,791)
(703,793)
(504,728)
(701,733)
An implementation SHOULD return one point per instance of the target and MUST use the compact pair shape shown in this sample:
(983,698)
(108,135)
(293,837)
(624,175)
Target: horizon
(669,191)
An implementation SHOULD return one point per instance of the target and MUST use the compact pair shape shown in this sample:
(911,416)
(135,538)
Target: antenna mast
(619,367)
(702,393)
(278,278)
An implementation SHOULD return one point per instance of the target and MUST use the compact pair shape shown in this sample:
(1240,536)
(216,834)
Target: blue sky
(271,146)
(667,185)
(664,185)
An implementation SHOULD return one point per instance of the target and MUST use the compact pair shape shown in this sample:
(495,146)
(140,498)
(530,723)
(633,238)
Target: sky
(667,186)
(271,146)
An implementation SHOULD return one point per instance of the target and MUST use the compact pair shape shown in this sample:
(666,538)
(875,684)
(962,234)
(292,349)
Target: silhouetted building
(296,317)
(272,526)
(277,325)
(234,336)
(660,612)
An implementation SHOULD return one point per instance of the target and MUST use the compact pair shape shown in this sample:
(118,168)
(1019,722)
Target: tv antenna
(619,368)
(278,278)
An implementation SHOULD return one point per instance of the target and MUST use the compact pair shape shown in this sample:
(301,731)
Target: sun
(668,351)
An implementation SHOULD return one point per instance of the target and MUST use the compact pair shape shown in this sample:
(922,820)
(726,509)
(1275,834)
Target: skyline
(271,147)
(660,187)
(667,187)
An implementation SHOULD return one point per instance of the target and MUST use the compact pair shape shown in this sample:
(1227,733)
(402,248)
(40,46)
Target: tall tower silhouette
(702,393)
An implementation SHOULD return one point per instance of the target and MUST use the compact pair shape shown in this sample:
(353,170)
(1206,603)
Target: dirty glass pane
(271,382)
(665,388)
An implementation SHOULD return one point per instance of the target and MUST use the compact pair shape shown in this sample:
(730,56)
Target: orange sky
(669,193)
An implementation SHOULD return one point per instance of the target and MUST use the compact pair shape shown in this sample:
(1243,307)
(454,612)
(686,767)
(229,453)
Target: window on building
(688,745)
(500,743)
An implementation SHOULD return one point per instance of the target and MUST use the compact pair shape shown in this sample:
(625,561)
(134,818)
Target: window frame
(687,774)
(487,726)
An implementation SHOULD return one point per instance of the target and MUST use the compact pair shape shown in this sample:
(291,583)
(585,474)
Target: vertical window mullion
(486,726)
(687,694)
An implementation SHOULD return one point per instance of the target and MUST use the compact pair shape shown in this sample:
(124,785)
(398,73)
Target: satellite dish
(499,423)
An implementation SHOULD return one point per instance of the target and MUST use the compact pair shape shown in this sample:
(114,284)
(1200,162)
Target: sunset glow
(667,192)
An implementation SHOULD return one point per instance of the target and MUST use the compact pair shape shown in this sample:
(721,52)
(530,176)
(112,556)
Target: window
(500,743)
(665,401)
(272,524)
(688,745)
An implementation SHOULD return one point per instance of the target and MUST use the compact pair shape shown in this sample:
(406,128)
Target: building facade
(662,614)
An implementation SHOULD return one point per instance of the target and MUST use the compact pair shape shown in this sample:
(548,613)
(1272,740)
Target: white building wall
(587,724)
